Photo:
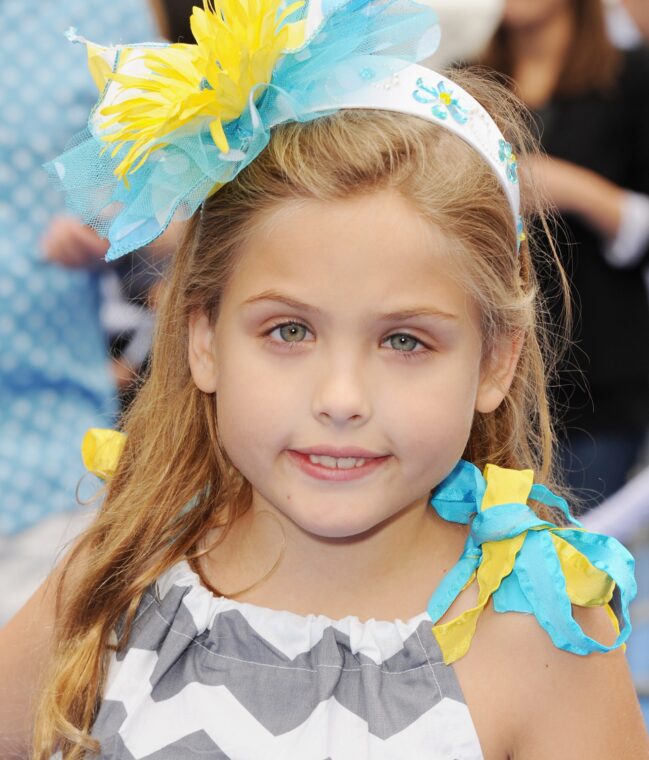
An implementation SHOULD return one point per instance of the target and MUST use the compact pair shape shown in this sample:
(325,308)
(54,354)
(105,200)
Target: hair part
(175,483)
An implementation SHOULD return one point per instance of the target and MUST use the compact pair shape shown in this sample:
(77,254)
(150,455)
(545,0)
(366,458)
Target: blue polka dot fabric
(54,378)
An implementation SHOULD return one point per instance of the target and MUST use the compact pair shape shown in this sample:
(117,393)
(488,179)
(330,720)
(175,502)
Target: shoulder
(548,702)
(587,701)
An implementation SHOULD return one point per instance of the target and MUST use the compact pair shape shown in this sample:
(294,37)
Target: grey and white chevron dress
(211,678)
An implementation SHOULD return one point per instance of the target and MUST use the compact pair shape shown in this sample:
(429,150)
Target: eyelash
(289,344)
(408,355)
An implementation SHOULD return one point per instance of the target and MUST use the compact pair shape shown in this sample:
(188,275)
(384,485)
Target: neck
(388,572)
(539,52)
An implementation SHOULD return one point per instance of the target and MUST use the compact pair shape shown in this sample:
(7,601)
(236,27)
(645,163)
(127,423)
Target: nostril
(341,406)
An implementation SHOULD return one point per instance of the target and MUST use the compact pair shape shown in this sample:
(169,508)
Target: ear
(202,357)
(498,372)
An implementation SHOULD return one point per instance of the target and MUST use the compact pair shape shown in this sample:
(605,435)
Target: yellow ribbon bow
(101,450)
(523,563)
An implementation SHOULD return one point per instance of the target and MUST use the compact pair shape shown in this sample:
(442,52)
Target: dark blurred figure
(173,18)
(590,102)
(131,293)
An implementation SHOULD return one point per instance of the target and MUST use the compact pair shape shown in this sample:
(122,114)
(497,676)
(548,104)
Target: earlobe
(202,358)
(498,373)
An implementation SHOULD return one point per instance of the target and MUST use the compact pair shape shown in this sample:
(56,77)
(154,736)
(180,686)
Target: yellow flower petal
(98,66)
(218,135)
(238,44)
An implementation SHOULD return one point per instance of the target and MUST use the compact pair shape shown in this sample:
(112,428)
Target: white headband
(418,91)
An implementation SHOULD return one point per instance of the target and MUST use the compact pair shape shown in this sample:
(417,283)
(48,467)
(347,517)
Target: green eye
(292,332)
(403,342)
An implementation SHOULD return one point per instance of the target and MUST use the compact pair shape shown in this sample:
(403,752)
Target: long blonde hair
(174,480)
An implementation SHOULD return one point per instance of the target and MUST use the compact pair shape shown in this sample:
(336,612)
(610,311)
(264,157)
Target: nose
(341,394)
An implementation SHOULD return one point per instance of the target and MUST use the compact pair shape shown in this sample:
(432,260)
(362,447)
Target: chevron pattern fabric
(211,678)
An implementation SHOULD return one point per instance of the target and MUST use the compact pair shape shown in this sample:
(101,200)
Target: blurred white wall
(467,26)
(622,27)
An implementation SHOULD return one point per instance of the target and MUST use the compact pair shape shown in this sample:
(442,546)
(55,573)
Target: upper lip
(340,452)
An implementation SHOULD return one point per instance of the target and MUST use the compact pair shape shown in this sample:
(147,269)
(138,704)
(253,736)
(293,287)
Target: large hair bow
(174,123)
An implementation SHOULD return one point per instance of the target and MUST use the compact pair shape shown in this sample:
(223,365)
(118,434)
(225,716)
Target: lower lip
(335,474)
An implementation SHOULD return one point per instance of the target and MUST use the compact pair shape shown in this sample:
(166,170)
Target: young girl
(353,310)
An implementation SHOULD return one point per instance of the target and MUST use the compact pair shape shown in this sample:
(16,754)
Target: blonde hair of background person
(357,211)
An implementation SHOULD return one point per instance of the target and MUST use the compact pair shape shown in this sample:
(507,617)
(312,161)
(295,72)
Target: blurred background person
(55,380)
(173,17)
(129,286)
(590,102)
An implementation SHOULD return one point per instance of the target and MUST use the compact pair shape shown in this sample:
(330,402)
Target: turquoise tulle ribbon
(358,40)
(552,567)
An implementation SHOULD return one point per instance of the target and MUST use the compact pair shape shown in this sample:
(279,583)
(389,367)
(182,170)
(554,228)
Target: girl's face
(346,363)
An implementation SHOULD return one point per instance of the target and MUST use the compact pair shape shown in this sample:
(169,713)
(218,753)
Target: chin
(330,527)
(335,532)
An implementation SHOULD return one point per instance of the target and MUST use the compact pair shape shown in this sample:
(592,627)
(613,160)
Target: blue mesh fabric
(359,39)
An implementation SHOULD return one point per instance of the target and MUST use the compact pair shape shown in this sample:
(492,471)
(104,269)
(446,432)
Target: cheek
(434,413)
(254,407)
(242,432)
(242,412)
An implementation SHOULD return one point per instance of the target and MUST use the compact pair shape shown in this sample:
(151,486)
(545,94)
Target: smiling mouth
(327,467)
(337,463)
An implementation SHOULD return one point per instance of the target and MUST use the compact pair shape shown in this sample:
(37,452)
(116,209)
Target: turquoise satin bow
(524,563)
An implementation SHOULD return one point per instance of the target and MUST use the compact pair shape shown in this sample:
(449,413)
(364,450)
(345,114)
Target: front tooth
(343,463)
(347,463)
(323,460)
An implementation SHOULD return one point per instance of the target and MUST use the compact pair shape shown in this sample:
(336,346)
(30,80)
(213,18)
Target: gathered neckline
(181,574)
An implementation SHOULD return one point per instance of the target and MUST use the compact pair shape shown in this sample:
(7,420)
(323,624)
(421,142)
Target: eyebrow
(273,295)
(401,315)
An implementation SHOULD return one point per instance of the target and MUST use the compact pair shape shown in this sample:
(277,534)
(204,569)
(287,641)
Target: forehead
(350,255)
